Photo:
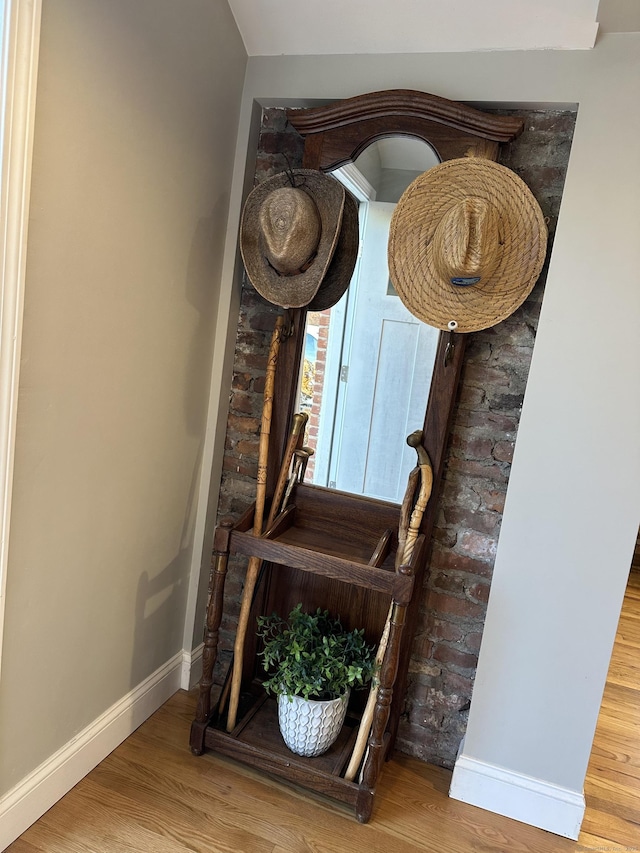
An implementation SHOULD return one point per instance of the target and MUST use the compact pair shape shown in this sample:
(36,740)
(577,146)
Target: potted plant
(313,663)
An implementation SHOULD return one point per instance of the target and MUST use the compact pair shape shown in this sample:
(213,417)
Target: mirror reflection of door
(368,361)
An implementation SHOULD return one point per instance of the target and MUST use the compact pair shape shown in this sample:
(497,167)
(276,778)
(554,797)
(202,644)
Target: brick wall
(453,605)
(320,319)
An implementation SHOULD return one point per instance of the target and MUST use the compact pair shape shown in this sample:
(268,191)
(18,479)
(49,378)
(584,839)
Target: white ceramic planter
(309,727)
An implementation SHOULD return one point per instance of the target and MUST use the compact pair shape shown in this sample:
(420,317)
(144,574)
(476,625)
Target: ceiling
(309,27)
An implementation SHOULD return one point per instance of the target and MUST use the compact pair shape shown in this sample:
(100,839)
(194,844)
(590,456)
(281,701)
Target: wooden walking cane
(407,534)
(301,457)
(367,714)
(426,484)
(253,566)
(296,436)
(277,506)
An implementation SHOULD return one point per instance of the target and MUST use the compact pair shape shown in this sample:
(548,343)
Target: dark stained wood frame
(321,553)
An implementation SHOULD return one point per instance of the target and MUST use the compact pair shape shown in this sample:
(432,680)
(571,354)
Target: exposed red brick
(480,374)
(242,424)
(448,583)
(243,403)
(449,654)
(470,397)
(451,560)
(463,607)
(483,522)
(248,447)
(429,699)
(422,646)
(455,493)
(506,402)
(503,451)
(478,350)
(446,538)
(478,591)
(492,499)
(471,446)
(251,361)
(455,683)
(263,320)
(241,381)
(421,691)
(516,356)
(472,641)
(491,422)
(450,631)
(476,468)
(477,545)
(247,468)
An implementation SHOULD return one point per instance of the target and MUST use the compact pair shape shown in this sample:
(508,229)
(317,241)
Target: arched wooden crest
(337,133)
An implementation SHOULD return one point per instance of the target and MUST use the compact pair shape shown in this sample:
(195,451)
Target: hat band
(460,281)
(305,266)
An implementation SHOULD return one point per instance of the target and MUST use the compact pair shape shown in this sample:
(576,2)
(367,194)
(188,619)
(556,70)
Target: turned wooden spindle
(214,618)
(375,753)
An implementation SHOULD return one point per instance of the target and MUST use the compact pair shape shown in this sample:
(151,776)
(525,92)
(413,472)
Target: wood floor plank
(22,846)
(111,834)
(622,799)
(612,828)
(614,753)
(225,794)
(596,844)
(184,825)
(612,787)
(457,826)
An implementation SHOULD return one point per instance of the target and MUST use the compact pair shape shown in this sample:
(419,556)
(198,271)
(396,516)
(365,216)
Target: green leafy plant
(311,655)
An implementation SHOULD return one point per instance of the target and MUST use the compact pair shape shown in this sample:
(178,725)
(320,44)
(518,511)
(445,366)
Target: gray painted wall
(136,121)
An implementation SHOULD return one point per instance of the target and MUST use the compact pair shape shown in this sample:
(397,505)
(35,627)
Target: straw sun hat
(298,239)
(466,244)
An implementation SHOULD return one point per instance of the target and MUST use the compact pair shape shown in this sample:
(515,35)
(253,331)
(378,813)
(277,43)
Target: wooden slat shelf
(257,742)
(287,550)
(365,563)
(331,522)
(258,731)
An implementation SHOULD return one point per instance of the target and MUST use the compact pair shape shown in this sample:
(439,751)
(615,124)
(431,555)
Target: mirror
(367,362)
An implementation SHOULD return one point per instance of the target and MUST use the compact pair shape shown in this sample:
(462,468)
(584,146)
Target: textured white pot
(309,727)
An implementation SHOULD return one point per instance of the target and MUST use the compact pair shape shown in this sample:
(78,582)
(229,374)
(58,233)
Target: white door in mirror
(383,394)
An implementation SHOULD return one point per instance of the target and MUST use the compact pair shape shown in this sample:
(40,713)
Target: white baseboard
(38,791)
(517,796)
(191,667)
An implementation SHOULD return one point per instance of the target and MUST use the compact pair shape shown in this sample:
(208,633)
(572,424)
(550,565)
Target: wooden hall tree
(334,550)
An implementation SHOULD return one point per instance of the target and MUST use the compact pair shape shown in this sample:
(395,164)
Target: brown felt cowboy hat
(466,244)
(343,263)
(291,231)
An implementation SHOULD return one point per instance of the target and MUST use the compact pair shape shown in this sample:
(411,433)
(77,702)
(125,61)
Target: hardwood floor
(612,787)
(152,796)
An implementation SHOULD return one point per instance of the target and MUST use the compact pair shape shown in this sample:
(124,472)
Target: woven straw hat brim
(344,259)
(423,290)
(293,291)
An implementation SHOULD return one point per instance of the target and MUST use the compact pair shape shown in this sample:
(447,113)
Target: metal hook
(289,170)
(448,353)
(288,326)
